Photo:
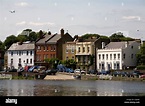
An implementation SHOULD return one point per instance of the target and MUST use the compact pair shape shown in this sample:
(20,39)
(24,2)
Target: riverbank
(70,76)
(92,77)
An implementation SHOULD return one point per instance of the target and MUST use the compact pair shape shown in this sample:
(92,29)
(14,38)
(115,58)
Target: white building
(21,54)
(117,55)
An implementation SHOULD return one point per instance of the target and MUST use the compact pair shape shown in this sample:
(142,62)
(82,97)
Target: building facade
(84,52)
(21,54)
(51,46)
(117,55)
(69,50)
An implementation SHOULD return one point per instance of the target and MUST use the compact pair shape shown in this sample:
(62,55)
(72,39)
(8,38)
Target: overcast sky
(78,17)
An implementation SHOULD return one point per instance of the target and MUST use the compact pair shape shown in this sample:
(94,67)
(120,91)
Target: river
(71,88)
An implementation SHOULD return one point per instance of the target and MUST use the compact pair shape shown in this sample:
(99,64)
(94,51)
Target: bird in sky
(12,11)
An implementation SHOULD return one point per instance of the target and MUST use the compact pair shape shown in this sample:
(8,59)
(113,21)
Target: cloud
(20,23)
(41,23)
(34,23)
(22,4)
(138,18)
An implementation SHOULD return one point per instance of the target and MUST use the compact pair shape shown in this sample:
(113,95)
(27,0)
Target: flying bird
(12,11)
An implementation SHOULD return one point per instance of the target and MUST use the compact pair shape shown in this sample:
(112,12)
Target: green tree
(32,36)
(86,36)
(117,37)
(70,63)
(53,62)
(22,38)
(141,55)
(10,40)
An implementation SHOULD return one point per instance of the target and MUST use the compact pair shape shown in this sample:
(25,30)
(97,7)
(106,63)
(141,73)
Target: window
(114,56)
(118,56)
(30,61)
(27,61)
(99,56)
(103,56)
(19,53)
(11,53)
(106,56)
(83,49)
(88,49)
(27,52)
(31,52)
(19,60)
(11,61)
(110,56)
(124,55)
(79,49)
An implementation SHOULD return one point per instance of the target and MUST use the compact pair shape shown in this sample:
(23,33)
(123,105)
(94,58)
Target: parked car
(12,70)
(104,72)
(142,76)
(135,73)
(69,70)
(32,68)
(77,70)
(51,71)
(92,72)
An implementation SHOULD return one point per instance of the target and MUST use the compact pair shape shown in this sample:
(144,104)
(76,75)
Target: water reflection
(71,88)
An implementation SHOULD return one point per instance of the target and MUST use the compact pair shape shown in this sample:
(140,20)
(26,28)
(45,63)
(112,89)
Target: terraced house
(117,55)
(86,52)
(21,54)
(50,46)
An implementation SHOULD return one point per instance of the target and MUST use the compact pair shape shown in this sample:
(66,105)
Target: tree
(70,63)
(22,38)
(32,36)
(53,62)
(141,55)
(10,40)
(86,36)
(117,37)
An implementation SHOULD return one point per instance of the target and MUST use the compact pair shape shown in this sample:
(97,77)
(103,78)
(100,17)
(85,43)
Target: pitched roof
(45,38)
(23,46)
(54,39)
(117,45)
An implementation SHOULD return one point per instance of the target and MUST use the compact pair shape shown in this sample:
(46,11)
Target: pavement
(59,76)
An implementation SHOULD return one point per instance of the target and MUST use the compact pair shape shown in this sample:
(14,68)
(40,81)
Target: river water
(71,88)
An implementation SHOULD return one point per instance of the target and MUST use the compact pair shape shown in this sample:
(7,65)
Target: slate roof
(117,45)
(24,46)
(54,39)
(45,38)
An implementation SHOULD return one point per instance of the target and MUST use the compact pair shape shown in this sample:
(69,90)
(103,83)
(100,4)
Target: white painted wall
(23,58)
(128,61)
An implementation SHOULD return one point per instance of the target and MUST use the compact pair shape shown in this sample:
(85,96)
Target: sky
(77,17)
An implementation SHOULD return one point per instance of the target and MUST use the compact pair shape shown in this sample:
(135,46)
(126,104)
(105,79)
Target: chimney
(103,45)
(40,34)
(126,44)
(62,32)
(49,33)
